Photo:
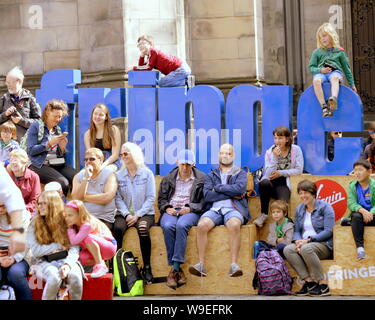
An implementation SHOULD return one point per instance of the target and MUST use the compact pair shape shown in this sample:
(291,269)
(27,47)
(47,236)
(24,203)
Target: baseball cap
(52,186)
(186,156)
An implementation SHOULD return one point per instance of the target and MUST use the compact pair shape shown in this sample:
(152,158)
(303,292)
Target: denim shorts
(223,215)
(326,77)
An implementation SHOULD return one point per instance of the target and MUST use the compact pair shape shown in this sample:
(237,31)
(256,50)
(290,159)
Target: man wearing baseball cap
(181,203)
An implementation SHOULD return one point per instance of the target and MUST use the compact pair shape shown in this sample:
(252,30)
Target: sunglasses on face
(90,159)
(124,154)
(337,133)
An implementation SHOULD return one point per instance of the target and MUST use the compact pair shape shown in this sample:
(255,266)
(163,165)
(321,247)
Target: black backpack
(127,280)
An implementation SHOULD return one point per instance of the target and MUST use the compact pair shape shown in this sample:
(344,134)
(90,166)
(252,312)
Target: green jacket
(353,205)
(336,58)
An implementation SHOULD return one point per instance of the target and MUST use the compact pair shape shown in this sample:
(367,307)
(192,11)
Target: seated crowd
(81,217)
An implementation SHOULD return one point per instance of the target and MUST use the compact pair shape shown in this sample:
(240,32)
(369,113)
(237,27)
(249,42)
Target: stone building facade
(226,42)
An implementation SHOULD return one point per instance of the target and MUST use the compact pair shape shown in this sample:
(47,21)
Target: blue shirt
(364,197)
(135,195)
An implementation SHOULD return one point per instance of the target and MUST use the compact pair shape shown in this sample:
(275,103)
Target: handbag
(250,191)
(56,256)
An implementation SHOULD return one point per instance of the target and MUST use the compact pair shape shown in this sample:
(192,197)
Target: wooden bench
(358,277)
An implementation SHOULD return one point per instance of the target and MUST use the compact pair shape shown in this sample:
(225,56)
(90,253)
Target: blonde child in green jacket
(329,63)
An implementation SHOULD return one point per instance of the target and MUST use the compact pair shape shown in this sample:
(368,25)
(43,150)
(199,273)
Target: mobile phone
(329,66)
(4,251)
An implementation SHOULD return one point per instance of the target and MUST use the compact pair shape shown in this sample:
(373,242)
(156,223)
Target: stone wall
(85,34)
(164,20)
(217,37)
(221,35)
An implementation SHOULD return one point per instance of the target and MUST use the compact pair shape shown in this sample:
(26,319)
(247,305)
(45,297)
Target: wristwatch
(20,230)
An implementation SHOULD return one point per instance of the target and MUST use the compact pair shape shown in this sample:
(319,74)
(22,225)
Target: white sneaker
(260,220)
(99,270)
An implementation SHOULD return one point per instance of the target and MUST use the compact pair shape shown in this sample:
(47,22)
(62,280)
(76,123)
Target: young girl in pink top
(92,235)
(176,70)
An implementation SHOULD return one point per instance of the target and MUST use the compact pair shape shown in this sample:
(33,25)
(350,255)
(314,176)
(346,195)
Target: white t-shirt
(10,195)
(308,228)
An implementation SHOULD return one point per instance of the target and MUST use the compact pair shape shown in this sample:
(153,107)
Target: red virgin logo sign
(332,192)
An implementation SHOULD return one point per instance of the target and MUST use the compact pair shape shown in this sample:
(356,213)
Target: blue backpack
(271,274)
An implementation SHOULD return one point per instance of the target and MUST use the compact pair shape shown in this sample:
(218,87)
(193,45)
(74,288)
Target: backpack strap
(121,271)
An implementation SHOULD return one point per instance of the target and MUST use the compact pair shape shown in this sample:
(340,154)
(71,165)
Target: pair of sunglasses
(90,159)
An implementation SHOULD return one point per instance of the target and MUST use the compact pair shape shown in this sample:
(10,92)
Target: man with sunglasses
(181,203)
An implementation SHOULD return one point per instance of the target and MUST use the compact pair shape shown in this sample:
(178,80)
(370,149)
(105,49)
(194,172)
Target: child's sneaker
(260,220)
(99,270)
(326,111)
(332,102)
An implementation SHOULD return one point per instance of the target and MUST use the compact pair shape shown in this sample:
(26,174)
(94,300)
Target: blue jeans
(176,230)
(176,78)
(15,276)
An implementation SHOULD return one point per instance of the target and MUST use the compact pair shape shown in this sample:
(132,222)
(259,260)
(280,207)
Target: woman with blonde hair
(25,179)
(328,63)
(135,202)
(54,259)
(96,186)
(92,235)
(104,136)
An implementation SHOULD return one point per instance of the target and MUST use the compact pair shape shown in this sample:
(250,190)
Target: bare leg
(317,83)
(204,226)
(335,86)
(94,249)
(234,226)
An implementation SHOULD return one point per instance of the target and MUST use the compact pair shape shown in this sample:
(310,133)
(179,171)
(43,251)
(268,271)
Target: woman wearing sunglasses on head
(96,187)
(47,155)
(135,202)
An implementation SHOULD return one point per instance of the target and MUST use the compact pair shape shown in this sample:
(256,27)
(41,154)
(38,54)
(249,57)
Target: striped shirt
(181,195)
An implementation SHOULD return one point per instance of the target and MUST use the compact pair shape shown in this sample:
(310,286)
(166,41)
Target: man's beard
(226,165)
(16,91)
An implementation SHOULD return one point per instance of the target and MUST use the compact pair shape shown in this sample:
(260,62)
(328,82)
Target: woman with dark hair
(104,136)
(312,240)
(282,160)
(47,155)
